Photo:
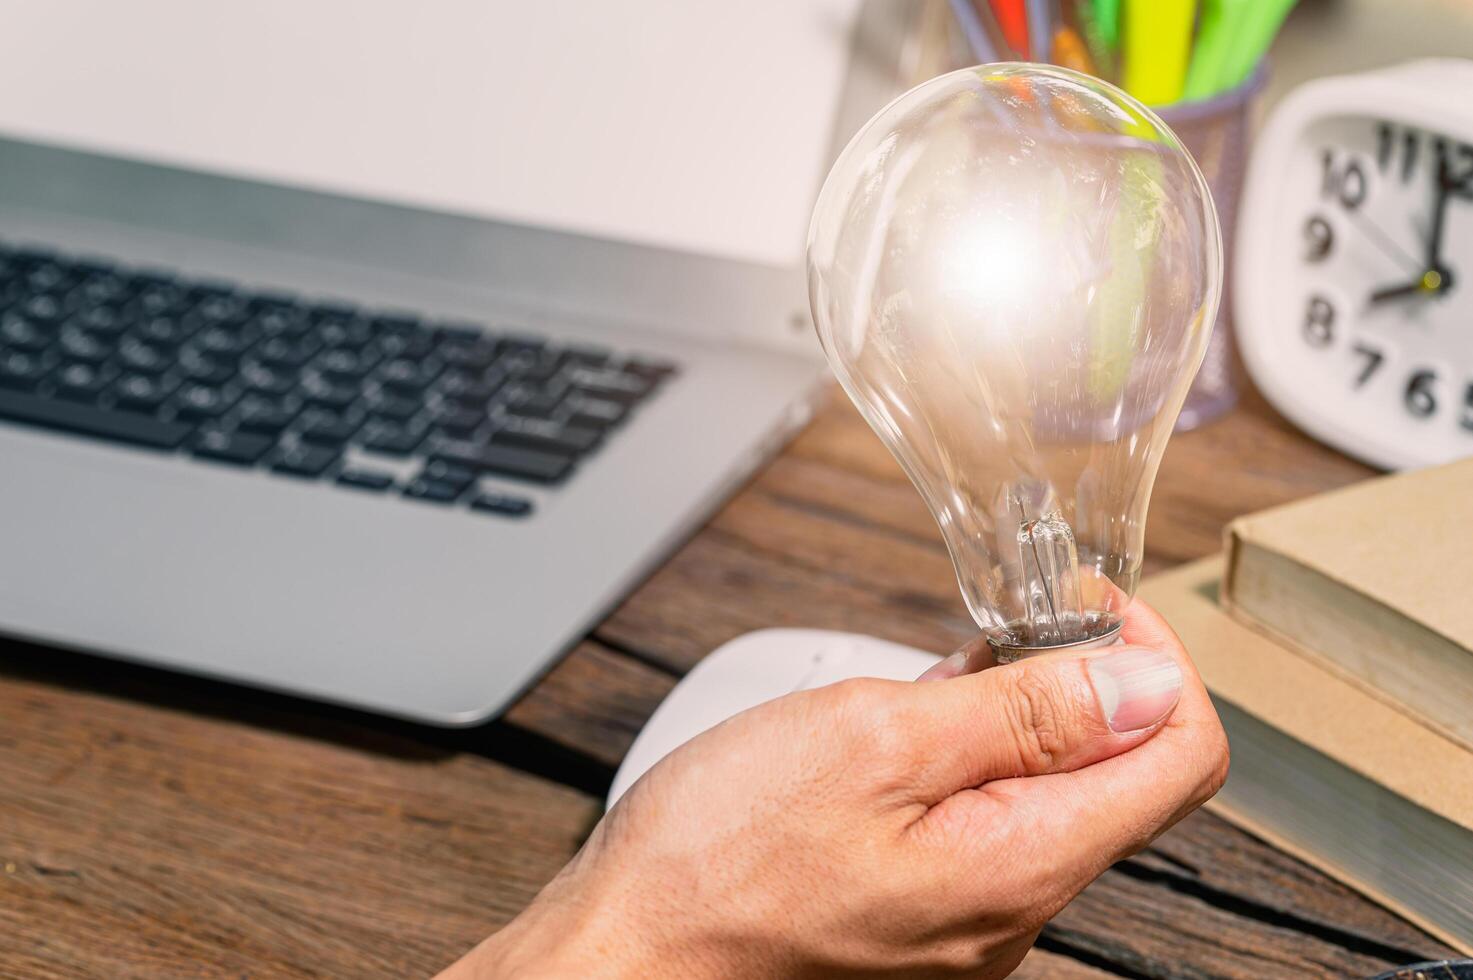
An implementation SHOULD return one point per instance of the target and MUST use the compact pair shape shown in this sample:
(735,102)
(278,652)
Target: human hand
(880,826)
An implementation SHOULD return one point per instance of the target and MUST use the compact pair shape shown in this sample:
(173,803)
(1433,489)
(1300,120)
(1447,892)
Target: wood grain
(155,826)
(139,839)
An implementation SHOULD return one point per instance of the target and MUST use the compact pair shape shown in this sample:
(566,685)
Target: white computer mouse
(755,668)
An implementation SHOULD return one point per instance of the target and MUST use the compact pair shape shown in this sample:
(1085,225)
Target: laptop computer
(372,352)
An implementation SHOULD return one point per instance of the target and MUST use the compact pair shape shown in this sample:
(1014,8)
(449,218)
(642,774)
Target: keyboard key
(270,302)
(534,367)
(165,331)
(23,369)
(439,471)
(100,286)
(325,427)
(531,401)
(649,368)
(586,356)
(141,392)
(354,332)
(458,420)
(461,331)
(44,308)
(79,345)
(135,355)
(306,461)
(474,355)
(344,364)
(414,342)
(610,384)
(90,420)
(286,352)
(407,375)
(546,435)
(366,479)
(205,368)
(322,391)
(469,387)
(195,400)
(501,503)
(525,464)
(80,381)
(22,333)
(283,321)
(519,343)
(267,380)
(204,289)
(390,438)
(596,413)
(391,407)
(103,320)
(440,493)
(96,283)
(265,415)
(400,322)
(332,312)
(242,448)
(227,341)
(218,306)
(158,296)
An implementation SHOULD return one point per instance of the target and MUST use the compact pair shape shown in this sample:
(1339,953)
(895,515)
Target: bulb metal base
(1006,653)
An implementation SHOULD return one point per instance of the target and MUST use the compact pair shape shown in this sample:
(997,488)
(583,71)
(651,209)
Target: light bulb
(1014,270)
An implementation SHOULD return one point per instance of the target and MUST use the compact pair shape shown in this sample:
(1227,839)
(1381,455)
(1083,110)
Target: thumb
(1041,716)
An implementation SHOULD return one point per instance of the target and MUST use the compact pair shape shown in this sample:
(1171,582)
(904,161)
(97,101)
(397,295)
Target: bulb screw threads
(1007,652)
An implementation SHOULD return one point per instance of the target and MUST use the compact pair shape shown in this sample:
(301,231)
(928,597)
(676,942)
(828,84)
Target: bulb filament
(1049,563)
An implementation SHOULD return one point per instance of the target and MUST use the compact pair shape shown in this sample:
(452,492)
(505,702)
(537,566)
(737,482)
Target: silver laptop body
(432,613)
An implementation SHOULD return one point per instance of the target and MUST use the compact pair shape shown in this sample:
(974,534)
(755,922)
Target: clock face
(1380,242)
(1356,258)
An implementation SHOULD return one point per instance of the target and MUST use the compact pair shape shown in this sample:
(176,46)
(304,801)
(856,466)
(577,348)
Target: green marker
(1251,40)
(1218,27)
(1100,50)
(1107,22)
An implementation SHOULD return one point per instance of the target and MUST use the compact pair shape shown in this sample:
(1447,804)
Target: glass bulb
(1014,270)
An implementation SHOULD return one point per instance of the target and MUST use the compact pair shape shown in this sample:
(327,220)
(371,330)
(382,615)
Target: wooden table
(158,826)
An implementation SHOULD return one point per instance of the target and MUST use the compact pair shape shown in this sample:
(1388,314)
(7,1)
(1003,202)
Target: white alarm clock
(1353,270)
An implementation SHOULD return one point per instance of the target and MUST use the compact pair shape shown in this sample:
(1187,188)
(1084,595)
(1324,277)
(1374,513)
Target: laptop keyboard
(316,391)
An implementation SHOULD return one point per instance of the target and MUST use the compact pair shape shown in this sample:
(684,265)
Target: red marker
(1012,17)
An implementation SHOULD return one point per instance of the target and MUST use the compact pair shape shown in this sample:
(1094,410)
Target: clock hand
(1386,243)
(1439,211)
(1430,282)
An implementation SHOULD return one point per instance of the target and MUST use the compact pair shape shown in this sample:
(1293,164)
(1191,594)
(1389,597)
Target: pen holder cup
(1216,132)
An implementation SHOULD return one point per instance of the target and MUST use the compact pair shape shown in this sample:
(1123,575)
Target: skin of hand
(882,828)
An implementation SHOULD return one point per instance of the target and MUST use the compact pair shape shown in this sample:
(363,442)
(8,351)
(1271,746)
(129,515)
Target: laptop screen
(700,126)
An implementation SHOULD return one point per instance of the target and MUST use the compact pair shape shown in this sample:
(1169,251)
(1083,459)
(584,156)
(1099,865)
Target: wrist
(566,932)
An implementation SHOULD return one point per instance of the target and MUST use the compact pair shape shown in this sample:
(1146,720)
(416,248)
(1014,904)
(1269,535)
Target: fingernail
(1136,687)
(942,669)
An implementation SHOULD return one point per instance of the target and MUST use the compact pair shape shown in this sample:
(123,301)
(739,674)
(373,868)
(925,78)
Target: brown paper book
(1376,579)
(1328,771)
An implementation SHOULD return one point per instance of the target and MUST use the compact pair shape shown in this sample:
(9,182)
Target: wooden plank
(717,588)
(1148,930)
(1209,856)
(143,840)
(594,701)
(1040,964)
